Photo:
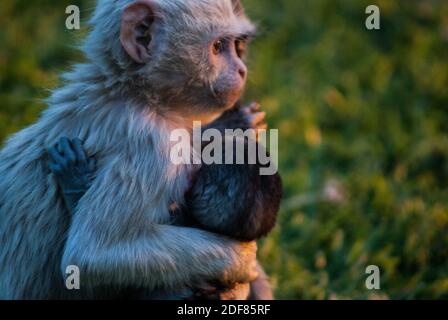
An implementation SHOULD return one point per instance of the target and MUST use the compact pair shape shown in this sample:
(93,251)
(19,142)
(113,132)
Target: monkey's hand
(253,115)
(234,283)
(72,169)
(240,117)
(242,270)
(227,288)
(239,291)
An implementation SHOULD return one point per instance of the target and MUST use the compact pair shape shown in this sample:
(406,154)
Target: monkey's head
(188,54)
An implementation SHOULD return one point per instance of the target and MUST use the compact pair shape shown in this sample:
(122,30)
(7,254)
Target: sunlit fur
(114,105)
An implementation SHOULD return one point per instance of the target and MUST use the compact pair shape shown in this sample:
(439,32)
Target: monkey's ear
(137,29)
(238,7)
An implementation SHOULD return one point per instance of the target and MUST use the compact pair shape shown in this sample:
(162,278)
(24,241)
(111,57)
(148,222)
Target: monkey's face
(192,50)
(208,76)
(229,72)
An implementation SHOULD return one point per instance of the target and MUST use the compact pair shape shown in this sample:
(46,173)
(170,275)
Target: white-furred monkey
(168,63)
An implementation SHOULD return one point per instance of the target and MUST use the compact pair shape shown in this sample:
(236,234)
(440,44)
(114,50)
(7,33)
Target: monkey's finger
(251,109)
(55,168)
(254,106)
(247,110)
(91,164)
(80,153)
(258,117)
(56,157)
(68,150)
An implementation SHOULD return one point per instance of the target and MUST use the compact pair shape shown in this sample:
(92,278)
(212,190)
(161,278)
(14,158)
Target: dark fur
(243,202)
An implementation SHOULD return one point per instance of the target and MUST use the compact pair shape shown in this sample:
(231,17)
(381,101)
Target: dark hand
(254,116)
(240,117)
(72,169)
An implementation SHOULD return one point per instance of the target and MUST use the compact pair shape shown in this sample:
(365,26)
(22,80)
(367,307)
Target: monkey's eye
(218,46)
(241,47)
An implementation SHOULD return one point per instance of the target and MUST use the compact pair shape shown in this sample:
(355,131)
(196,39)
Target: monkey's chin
(229,100)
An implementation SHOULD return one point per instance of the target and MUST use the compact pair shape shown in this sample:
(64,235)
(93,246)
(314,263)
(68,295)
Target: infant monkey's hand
(72,168)
(254,116)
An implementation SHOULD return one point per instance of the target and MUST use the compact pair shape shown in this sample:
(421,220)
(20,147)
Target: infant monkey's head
(187,53)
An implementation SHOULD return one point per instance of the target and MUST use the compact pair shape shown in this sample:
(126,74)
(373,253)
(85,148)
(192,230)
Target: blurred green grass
(363,122)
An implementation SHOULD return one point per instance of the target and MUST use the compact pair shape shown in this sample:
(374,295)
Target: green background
(363,123)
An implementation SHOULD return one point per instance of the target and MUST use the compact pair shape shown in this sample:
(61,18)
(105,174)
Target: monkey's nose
(242,72)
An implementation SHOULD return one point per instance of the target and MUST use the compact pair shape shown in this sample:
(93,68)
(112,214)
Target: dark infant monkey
(234,200)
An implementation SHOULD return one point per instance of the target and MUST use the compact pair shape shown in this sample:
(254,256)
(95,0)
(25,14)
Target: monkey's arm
(164,257)
(114,244)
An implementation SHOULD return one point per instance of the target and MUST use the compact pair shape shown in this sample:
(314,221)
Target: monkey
(151,66)
(244,203)
(233,200)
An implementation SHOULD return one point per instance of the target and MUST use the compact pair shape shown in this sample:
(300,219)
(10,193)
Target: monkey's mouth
(227,99)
